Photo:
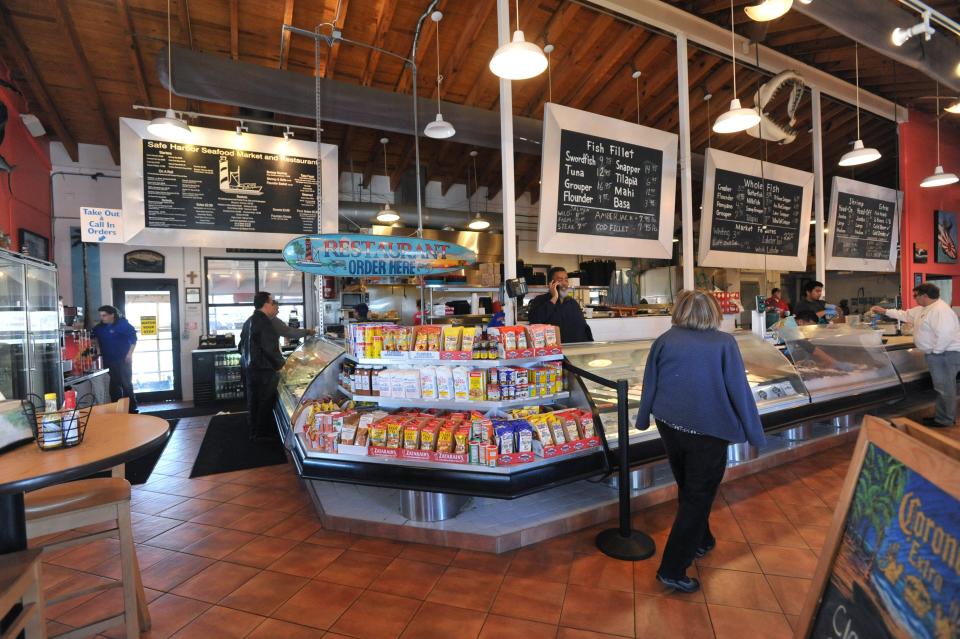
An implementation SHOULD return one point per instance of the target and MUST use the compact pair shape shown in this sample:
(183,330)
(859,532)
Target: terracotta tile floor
(243,555)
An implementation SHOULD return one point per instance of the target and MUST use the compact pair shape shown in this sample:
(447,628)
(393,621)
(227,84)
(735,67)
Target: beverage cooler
(29,328)
(217,379)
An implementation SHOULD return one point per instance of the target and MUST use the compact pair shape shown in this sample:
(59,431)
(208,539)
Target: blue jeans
(943,372)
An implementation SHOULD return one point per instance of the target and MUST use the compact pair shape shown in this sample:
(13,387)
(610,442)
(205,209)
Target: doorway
(152,307)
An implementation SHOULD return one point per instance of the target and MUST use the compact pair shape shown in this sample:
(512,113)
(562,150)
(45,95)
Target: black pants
(261,396)
(698,463)
(121,383)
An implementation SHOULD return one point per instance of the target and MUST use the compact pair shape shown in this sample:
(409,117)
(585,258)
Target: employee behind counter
(557,308)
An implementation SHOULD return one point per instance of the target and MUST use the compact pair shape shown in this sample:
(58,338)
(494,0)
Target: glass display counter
(775,383)
(308,372)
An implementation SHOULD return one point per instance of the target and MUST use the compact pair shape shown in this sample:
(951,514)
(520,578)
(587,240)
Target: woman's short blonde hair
(698,310)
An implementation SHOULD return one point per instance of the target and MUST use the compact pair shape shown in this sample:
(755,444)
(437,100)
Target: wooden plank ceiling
(81,64)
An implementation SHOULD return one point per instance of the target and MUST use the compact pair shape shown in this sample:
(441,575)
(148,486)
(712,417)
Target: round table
(110,439)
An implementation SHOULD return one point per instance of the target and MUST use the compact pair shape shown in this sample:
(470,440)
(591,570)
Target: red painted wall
(25,192)
(918,159)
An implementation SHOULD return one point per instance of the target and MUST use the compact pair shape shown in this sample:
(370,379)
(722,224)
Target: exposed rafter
(333,52)
(90,84)
(285,39)
(143,93)
(21,55)
(235,29)
(384,19)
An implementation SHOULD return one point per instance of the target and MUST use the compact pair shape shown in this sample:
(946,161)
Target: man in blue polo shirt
(117,339)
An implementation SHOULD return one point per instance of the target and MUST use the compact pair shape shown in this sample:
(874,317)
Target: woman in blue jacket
(695,387)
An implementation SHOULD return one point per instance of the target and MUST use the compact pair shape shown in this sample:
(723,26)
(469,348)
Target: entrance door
(152,306)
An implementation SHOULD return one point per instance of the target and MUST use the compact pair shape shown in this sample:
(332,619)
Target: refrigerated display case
(29,328)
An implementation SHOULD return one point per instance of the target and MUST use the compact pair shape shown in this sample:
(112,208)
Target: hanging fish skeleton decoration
(774,128)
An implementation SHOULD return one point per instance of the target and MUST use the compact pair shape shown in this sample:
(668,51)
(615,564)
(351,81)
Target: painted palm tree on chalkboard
(879,490)
(77,242)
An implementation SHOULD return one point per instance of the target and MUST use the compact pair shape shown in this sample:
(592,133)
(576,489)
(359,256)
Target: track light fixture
(899,35)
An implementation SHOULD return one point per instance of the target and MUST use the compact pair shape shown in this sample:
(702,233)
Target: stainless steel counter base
(418,505)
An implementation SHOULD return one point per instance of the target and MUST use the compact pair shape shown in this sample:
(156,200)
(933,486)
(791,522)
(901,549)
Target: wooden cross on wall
(192,276)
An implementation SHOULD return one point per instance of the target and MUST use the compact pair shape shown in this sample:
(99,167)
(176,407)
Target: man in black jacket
(555,307)
(261,359)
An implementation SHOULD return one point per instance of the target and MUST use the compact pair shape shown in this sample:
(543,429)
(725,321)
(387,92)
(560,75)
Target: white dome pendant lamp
(477,223)
(438,129)
(737,118)
(768,10)
(939,177)
(858,154)
(169,127)
(518,59)
(386,215)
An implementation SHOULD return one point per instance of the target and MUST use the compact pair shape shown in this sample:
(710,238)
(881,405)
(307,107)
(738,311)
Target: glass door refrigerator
(29,328)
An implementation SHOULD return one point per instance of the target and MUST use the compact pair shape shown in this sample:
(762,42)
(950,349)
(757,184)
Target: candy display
(392,342)
(517,436)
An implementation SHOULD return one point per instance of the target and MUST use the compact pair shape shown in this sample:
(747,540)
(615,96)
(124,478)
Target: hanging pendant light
(386,214)
(169,127)
(768,10)
(477,223)
(737,118)
(438,129)
(518,59)
(858,154)
(939,177)
(953,107)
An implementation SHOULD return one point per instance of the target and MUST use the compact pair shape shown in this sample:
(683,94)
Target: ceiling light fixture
(169,127)
(768,10)
(636,78)
(899,36)
(438,129)
(386,215)
(241,129)
(953,108)
(939,177)
(737,118)
(858,154)
(518,59)
(287,135)
(477,223)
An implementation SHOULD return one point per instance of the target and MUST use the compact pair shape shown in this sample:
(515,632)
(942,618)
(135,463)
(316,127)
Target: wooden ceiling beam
(576,63)
(667,114)
(625,46)
(469,35)
(285,38)
(649,52)
(21,56)
(333,52)
(90,84)
(384,19)
(123,12)
(186,27)
(235,29)
(425,47)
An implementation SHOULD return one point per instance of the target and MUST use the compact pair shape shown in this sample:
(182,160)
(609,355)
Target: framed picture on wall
(193,295)
(945,237)
(34,245)
(919,253)
(143,261)
(917,279)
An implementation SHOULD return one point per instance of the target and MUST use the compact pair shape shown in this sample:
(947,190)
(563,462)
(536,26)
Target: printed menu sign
(755,215)
(864,221)
(187,186)
(608,187)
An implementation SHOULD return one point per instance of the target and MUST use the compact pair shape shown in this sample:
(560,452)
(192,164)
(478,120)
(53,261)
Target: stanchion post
(623,542)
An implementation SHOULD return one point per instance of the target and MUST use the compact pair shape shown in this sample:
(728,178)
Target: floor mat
(226,447)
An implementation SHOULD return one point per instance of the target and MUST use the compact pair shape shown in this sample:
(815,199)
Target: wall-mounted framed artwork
(143,261)
(34,245)
(945,237)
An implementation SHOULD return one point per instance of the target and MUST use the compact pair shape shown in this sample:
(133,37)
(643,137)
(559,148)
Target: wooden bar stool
(20,584)
(88,502)
(122,407)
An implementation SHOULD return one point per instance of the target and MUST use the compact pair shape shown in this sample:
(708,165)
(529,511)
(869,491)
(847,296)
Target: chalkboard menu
(187,186)
(863,226)
(755,215)
(608,186)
